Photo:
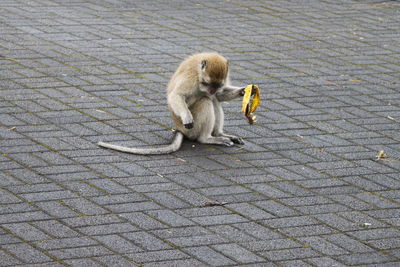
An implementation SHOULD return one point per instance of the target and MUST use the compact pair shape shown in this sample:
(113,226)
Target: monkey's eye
(205,84)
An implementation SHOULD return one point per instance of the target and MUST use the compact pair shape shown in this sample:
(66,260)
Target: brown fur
(217,67)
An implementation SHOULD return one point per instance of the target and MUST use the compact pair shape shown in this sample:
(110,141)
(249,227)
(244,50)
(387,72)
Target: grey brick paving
(305,189)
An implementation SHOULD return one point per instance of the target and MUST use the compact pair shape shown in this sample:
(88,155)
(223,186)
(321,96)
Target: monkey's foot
(220,140)
(227,143)
(235,139)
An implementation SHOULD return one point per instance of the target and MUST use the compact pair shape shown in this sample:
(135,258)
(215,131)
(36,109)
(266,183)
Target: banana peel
(251,100)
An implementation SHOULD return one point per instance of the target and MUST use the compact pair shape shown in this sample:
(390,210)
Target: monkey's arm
(178,105)
(230,92)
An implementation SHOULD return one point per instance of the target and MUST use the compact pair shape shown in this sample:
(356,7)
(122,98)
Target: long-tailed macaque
(194,92)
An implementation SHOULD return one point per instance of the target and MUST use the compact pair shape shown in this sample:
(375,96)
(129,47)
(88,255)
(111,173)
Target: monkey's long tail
(163,149)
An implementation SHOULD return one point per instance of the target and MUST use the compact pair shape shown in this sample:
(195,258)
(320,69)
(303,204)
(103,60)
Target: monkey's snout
(188,125)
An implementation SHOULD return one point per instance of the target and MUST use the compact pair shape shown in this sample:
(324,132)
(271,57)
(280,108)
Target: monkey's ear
(203,64)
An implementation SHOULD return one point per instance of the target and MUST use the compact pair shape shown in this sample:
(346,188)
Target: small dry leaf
(12,128)
(212,203)
(390,118)
(381,155)
(180,159)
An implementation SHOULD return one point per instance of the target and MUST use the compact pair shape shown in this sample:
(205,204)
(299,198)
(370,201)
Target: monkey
(194,95)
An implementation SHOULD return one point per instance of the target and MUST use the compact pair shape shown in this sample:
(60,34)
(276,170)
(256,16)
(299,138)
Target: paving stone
(275,208)
(268,191)
(107,229)
(358,218)
(294,263)
(56,229)
(258,231)
(167,200)
(23,217)
(109,186)
(117,243)
(170,217)
(113,260)
(375,233)
(82,252)
(146,241)
(143,221)
(325,262)
(184,262)
(219,219)
(323,246)
(201,240)
(26,231)
(239,254)
(290,222)
(73,242)
(307,230)
(209,256)
(133,207)
(27,253)
(181,232)
(7,197)
(83,206)
(384,244)
(82,189)
(290,254)
(41,196)
(8,260)
(338,222)
(231,233)
(152,257)
(8,239)
(82,262)
(250,211)
(56,209)
(370,258)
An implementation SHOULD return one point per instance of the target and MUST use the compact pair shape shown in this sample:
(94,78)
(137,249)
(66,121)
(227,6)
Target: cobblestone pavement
(305,190)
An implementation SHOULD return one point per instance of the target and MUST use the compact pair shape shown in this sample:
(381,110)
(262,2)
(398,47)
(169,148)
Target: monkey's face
(213,75)
(211,87)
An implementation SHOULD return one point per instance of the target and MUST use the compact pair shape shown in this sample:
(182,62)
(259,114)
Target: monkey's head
(213,73)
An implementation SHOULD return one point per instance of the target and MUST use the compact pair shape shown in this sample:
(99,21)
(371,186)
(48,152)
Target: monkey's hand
(242,91)
(230,92)
(188,125)
(188,121)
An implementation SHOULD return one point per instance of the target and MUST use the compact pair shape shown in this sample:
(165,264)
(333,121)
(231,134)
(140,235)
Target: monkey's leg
(204,121)
(219,124)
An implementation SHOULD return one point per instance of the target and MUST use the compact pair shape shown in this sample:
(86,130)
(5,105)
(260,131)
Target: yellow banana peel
(251,100)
